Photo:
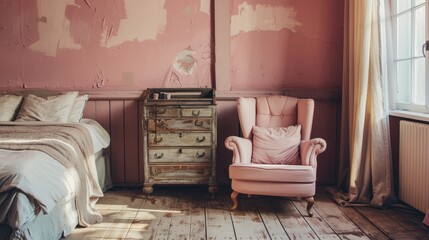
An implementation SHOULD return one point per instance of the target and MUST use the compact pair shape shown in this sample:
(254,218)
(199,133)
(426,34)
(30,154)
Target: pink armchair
(293,118)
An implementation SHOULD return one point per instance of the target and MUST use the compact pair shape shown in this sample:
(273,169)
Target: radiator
(414,164)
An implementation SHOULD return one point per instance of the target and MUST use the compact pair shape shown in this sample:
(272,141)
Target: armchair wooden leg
(234,195)
(310,202)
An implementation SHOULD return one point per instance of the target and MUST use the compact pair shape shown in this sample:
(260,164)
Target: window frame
(411,106)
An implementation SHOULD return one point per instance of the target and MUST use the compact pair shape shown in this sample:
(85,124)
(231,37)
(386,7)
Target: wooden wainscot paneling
(326,125)
(117,112)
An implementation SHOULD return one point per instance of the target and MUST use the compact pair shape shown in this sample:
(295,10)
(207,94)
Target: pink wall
(286,44)
(109,45)
(105,43)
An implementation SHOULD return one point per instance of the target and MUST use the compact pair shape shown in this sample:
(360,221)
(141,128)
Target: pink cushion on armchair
(276,145)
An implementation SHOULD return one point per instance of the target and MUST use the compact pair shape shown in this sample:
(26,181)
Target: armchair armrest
(309,149)
(241,149)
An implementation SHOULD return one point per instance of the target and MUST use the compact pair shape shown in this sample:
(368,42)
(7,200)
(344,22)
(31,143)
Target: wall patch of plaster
(262,17)
(183,71)
(53,27)
(145,20)
(185,62)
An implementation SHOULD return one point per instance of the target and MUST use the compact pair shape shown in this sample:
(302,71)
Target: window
(411,68)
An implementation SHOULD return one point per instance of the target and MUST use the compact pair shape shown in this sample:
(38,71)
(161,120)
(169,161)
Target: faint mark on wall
(43,19)
(88,3)
(146,19)
(128,78)
(263,18)
(54,28)
(173,80)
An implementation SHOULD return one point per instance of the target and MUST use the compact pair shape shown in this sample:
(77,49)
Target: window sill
(424,117)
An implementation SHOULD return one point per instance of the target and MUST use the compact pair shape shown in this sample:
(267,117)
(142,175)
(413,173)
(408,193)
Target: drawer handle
(199,123)
(157,140)
(200,155)
(196,113)
(158,156)
(161,111)
(201,139)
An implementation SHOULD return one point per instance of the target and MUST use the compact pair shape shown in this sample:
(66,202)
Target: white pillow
(78,107)
(49,109)
(9,105)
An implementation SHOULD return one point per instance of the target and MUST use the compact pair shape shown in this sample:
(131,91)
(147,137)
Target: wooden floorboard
(331,213)
(247,222)
(271,221)
(362,222)
(295,225)
(317,223)
(218,219)
(198,219)
(191,213)
(388,226)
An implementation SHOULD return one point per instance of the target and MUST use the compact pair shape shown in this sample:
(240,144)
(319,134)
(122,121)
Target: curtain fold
(365,159)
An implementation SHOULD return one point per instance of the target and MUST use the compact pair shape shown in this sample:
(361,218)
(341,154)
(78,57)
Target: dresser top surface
(179,96)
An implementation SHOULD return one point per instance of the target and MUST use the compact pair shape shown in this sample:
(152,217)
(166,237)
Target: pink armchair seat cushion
(272,173)
(276,145)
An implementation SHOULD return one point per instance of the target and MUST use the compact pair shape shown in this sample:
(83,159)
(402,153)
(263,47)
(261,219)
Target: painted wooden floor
(191,213)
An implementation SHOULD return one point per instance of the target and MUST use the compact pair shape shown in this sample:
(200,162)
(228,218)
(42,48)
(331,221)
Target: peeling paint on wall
(108,44)
(145,20)
(265,18)
(54,28)
(205,6)
(267,53)
(101,80)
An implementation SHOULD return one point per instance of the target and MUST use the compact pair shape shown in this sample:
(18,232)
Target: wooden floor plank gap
(233,226)
(205,218)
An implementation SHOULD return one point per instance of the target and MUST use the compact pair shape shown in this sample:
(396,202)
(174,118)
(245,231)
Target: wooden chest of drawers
(179,137)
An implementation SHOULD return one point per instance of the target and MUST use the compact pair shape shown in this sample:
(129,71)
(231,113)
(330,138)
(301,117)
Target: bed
(53,169)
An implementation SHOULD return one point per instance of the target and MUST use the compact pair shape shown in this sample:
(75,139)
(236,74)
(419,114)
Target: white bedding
(100,138)
(44,180)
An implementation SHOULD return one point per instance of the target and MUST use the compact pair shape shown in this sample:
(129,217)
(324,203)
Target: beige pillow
(48,109)
(78,107)
(9,105)
(276,145)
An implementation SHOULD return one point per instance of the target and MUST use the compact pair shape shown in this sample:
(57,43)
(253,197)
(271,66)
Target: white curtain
(365,159)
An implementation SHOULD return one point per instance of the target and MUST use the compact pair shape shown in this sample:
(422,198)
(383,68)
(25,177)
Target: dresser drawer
(180,139)
(179,172)
(199,124)
(179,155)
(155,112)
(197,112)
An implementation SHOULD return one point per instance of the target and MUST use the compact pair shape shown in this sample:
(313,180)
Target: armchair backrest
(275,111)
